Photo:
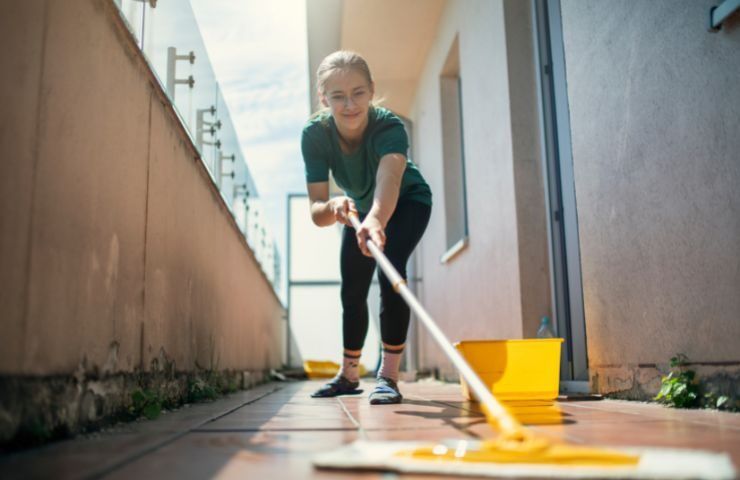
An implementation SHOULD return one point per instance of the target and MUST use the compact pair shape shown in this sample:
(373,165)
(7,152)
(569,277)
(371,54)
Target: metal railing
(168,35)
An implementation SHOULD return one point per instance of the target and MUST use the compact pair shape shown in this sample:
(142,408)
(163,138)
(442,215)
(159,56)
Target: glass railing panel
(168,34)
(177,53)
(133,11)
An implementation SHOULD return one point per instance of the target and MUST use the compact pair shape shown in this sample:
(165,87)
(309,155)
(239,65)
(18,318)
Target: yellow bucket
(526,369)
(324,369)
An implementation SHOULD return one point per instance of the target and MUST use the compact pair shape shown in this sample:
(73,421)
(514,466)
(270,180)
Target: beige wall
(116,248)
(19,95)
(498,287)
(322,29)
(656,149)
(395,46)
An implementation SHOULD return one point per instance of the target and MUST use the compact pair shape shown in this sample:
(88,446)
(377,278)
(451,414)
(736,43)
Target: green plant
(678,388)
(720,402)
(200,390)
(145,402)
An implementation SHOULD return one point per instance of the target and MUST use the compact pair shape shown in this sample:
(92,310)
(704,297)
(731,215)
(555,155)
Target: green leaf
(152,411)
(138,396)
(663,392)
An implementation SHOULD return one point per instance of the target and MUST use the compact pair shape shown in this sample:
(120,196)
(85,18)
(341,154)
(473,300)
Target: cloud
(279,164)
(249,33)
(259,53)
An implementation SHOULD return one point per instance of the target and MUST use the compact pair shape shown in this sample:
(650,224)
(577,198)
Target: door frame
(560,196)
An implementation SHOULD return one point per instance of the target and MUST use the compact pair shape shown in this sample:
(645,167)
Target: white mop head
(656,464)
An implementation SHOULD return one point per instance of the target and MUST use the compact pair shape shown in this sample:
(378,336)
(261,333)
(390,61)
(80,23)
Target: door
(565,262)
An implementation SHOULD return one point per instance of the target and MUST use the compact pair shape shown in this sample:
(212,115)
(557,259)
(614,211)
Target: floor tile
(264,455)
(274,432)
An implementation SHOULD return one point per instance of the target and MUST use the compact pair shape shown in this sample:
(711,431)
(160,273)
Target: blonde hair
(341,60)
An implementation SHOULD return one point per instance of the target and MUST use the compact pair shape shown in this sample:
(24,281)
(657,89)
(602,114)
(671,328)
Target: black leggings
(403,232)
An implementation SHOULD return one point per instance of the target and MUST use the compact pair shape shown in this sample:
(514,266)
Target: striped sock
(391,362)
(351,367)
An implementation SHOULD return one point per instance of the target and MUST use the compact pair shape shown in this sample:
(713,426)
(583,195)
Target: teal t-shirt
(355,173)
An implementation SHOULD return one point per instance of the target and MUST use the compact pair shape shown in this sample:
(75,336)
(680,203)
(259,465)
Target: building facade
(583,159)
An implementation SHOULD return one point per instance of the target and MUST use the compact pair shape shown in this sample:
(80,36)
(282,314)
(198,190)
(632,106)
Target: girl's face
(348,94)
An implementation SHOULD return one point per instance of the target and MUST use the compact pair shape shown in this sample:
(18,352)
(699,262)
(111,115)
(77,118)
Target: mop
(516,451)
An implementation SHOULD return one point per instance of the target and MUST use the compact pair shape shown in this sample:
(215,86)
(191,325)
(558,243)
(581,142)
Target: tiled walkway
(271,432)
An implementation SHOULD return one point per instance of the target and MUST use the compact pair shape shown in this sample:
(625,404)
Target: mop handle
(507,423)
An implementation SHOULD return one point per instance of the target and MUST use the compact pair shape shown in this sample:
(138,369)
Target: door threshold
(576,390)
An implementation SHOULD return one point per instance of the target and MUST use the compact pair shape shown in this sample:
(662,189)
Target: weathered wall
(656,149)
(118,253)
(498,287)
(23,24)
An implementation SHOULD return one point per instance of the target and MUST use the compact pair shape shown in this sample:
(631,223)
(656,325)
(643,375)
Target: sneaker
(386,392)
(337,386)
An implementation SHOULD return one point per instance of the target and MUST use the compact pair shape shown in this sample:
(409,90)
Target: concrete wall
(655,127)
(497,287)
(118,254)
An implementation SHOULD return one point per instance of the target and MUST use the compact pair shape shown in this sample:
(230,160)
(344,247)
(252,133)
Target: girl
(365,148)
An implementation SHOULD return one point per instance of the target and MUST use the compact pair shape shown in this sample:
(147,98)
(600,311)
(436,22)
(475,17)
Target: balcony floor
(273,430)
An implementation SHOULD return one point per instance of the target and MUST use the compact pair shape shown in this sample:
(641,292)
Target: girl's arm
(387,190)
(325,212)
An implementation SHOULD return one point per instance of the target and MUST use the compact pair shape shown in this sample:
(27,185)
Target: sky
(259,53)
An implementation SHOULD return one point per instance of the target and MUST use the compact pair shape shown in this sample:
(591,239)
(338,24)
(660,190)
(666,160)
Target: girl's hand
(340,208)
(370,228)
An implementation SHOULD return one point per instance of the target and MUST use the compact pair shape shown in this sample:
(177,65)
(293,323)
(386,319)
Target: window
(453,152)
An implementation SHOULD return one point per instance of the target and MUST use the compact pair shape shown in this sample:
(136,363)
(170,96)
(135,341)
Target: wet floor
(273,431)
